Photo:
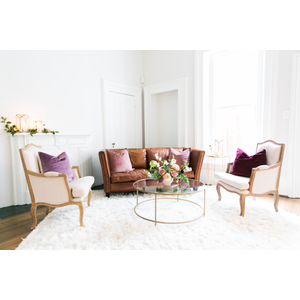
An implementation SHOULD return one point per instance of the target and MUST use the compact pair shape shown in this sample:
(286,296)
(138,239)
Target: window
(233,93)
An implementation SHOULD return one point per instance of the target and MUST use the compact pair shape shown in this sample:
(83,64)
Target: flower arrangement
(166,170)
(12,129)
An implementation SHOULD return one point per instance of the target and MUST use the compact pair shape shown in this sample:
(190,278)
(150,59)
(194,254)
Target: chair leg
(242,203)
(107,195)
(276,201)
(33,216)
(81,210)
(89,197)
(218,187)
(47,210)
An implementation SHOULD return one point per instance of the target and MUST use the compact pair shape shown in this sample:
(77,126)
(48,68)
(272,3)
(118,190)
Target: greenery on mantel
(12,129)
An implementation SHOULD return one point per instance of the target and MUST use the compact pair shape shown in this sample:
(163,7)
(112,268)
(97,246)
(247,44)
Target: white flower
(156,155)
(173,161)
(165,162)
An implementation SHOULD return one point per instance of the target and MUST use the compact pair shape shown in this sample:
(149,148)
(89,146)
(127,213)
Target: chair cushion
(181,156)
(244,163)
(138,158)
(134,175)
(80,187)
(60,164)
(239,182)
(119,161)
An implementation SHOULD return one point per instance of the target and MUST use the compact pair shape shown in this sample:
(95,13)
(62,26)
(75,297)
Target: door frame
(107,87)
(181,85)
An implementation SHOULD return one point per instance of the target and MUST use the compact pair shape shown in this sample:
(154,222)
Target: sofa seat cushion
(239,182)
(80,187)
(134,175)
(190,174)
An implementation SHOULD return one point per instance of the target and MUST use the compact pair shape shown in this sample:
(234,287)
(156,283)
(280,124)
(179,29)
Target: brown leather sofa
(140,158)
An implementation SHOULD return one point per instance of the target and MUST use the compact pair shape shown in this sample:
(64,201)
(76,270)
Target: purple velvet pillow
(180,156)
(244,163)
(60,164)
(119,161)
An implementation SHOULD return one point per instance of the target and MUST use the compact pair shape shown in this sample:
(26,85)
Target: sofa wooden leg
(107,195)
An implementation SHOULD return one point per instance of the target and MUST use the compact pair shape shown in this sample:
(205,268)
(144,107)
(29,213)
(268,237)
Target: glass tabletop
(154,187)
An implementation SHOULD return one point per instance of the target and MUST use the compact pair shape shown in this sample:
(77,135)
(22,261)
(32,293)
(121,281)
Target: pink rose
(174,173)
(167,176)
(161,180)
(176,167)
(161,171)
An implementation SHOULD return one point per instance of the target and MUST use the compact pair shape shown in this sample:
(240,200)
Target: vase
(168,181)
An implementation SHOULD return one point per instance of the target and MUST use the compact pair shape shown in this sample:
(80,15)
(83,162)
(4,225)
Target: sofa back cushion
(162,152)
(138,158)
(119,160)
(180,155)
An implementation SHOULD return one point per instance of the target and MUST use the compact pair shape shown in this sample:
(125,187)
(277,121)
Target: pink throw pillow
(244,163)
(119,161)
(180,156)
(60,164)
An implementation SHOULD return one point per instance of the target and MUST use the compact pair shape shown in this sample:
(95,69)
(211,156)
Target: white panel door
(122,120)
(122,116)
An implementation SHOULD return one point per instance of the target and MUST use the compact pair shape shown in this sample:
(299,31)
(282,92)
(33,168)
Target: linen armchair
(52,189)
(264,179)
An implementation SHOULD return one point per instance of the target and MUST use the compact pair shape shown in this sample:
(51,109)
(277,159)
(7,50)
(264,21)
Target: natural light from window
(233,93)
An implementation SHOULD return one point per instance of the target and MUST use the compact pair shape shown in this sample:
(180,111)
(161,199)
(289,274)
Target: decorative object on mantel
(22,121)
(38,125)
(23,126)
(167,171)
(210,147)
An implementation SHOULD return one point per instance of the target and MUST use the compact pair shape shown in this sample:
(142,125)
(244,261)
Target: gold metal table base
(178,199)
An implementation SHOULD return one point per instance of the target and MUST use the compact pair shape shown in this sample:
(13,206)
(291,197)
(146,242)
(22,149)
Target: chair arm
(49,188)
(105,170)
(76,172)
(229,167)
(264,179)
(196,161)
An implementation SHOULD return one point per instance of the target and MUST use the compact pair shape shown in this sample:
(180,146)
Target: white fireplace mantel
(77,146)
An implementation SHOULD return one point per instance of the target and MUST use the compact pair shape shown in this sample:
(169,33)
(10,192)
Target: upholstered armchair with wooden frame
(53,189)
(264,180)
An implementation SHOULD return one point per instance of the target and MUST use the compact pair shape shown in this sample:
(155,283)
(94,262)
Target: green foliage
(12,129)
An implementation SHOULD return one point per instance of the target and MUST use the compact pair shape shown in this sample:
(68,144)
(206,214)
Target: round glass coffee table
(151,186)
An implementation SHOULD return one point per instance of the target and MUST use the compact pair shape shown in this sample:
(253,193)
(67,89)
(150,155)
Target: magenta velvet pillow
(181,157)
(244,163)
(119,161)
(60,164)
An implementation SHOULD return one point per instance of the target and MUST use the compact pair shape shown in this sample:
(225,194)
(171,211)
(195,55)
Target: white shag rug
(111,224)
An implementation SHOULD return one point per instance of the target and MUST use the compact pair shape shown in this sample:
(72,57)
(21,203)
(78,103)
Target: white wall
(62,88)
(166,65)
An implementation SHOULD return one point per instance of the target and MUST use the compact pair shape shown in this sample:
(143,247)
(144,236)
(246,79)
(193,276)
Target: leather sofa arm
(105,170)
(196,161)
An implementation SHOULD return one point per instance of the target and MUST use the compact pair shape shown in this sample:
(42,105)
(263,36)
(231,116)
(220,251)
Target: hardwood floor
(14,228)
